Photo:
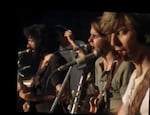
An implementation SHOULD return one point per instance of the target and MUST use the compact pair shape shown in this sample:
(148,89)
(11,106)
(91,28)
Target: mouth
(91,46)
(122,52)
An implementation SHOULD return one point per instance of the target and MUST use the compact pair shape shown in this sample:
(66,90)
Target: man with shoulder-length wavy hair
(128,33)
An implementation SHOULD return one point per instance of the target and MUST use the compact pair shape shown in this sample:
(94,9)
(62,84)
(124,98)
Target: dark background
(72,16)
(76,20)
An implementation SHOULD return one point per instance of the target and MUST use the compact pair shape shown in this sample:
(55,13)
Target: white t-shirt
(130,93)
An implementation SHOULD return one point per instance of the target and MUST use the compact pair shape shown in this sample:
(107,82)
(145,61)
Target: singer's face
(124,42)
(31,44)
(95,40)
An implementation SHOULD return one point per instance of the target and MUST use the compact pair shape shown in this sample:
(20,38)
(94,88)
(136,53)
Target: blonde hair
(136,21)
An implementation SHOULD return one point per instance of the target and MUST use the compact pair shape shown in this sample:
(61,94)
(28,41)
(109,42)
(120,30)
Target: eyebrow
(121,28)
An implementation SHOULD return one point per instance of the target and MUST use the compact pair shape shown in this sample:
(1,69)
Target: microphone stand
(77,96)
(60,92)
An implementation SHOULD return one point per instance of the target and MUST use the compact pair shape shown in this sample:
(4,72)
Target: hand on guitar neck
(24,86)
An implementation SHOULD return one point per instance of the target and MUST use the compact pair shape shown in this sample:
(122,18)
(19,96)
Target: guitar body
(25,89)
(95,104)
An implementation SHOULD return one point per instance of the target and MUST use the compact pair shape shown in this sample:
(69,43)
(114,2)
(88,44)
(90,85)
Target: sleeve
(57,77)
(96,72)
(127,69)
(125,96)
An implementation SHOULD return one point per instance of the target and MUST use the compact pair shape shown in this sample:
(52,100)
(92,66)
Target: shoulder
(49,56)
(98,60)
(58,56)
(126,64)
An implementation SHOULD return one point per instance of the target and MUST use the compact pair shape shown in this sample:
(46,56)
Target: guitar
(25,86)
(95,103)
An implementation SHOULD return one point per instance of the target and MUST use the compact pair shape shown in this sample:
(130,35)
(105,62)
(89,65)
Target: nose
(114,41)
(28,45)
(112,37)
(90,39)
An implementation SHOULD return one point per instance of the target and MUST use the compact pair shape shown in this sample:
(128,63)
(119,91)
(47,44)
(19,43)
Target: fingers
(51,97)
(26,96)
(68,33)
(26,107)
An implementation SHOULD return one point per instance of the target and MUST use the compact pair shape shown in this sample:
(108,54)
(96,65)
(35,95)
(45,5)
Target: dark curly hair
(44,37)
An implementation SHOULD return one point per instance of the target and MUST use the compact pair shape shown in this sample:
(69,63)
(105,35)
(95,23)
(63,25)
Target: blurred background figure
(44,84)
(67,45)
(67,42)
(27,65)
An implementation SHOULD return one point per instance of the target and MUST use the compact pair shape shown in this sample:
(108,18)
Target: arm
(69,37)
(122,110)
(29,97)
(21,86)
(128,70)
(58,87)
(126,73)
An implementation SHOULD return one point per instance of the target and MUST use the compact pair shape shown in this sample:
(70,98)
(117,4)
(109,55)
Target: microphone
(20,71)
(81,46)
(25,67)
(82,60)
(23,51)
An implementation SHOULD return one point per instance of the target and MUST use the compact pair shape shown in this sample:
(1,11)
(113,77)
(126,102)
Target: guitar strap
(110,76)
(104,96)
(108,85)
(134,108)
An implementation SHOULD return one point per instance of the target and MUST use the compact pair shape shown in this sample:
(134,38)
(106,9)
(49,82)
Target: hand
(26,96)
(28,82)
(26,107)
(50,97)
(68,35)
(18,86)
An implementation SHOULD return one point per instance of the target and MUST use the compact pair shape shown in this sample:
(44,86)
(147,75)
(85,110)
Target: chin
(126,57)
